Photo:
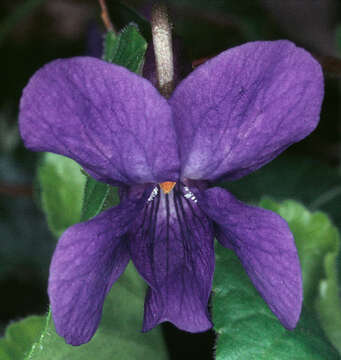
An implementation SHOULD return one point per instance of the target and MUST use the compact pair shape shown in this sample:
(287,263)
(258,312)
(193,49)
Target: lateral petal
(265,246)
(89,258)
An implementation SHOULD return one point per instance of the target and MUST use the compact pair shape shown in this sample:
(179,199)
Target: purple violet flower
(228,118)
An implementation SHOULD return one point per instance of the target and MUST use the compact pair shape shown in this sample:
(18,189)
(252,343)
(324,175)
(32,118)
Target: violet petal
(171,245)
(111,121)
(89,258)
(265,246)
(242,108)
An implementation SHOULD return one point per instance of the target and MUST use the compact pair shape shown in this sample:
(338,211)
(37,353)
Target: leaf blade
(62,185)
(19,337)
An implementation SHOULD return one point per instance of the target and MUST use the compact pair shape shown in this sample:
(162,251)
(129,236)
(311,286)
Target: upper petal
(263,242)
(111,121)
(239,110)
(89,258)
(171,245)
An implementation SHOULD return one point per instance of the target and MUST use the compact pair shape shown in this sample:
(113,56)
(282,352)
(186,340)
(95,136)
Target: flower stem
(105,16)
(162,41)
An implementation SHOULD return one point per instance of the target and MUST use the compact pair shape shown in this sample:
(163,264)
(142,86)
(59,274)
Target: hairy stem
(162,41)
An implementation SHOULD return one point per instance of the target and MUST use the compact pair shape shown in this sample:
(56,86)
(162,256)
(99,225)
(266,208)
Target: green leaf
(126,49)
(110,46)
(118,336)
(246,327)
(62,187)
(318,242)
(112,198)
(19,337)
(97,197)
(328,304)
(95,194)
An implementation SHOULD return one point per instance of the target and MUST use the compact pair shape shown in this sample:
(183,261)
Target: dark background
(37,31)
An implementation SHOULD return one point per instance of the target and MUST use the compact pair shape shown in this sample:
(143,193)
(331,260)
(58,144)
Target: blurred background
(34,32)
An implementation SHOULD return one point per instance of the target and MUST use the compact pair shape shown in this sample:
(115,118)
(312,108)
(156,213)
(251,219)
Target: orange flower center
(167,186)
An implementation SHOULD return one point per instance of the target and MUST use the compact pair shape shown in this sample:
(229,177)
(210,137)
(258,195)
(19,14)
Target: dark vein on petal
(153,237)
(183,244)
(167,245)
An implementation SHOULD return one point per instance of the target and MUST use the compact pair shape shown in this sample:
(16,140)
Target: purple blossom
(228,118)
